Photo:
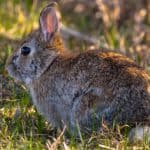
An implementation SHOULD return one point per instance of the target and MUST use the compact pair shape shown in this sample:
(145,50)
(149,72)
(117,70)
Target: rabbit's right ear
(49,23)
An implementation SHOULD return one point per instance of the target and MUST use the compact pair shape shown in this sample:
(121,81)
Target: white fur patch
(28,81)
(139,134)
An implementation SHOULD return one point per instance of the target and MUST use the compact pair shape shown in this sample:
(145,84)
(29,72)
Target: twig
(53,146)
(106,147)
(70,32)
(65,146)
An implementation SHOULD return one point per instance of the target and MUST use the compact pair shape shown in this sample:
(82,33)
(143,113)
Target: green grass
(21,127)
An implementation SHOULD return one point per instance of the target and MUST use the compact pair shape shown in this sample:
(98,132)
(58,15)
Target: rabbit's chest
(51,106)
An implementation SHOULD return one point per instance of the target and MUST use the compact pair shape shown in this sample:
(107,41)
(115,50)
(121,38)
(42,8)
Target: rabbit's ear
(49,22)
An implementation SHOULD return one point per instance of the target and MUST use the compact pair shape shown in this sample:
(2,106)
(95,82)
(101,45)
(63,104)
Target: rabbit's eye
(25,50)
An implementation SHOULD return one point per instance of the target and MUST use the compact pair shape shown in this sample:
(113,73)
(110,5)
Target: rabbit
(81,89)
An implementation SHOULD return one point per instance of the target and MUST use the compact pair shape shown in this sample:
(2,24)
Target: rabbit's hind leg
(86,112)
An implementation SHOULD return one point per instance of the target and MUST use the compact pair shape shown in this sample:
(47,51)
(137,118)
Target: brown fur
(82,88)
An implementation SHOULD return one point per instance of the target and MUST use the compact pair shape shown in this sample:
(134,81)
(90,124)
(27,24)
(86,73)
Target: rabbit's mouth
(12,70)
(18,75)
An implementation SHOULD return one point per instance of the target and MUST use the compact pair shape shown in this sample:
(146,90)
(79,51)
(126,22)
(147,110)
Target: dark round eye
(25,50)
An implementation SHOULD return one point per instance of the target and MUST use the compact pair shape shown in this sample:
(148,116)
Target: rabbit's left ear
(49,22)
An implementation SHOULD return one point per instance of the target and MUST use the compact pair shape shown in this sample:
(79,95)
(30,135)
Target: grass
(21,127)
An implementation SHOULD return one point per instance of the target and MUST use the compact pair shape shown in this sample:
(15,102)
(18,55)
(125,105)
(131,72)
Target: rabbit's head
(38,50)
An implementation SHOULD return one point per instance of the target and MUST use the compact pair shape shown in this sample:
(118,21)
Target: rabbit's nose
(14,58)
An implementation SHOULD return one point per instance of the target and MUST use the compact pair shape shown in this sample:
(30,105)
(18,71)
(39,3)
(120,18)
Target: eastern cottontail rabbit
(81,88)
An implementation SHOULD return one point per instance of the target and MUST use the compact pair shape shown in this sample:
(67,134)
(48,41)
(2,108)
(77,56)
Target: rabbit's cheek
(33,67)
